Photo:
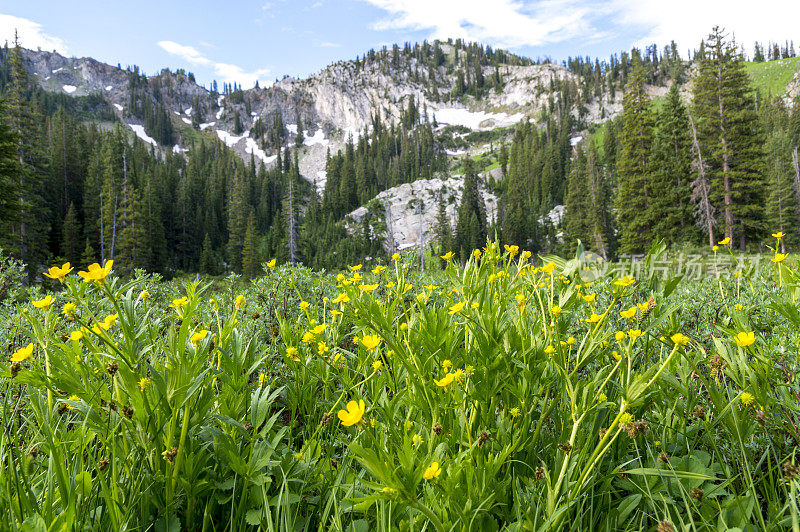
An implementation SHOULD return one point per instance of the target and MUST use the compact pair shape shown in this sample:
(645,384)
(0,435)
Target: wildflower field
(511,393)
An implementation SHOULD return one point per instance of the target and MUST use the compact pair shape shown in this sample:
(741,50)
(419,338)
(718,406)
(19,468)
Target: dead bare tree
(704,210)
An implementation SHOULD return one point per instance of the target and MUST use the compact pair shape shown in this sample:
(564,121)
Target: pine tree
(250,260)
(731,139)
(444,230)
(634,167)
(208,262)
(9,207)
(672,172)
(576,223)
(600,221)
(71,240)
(471,224)
(27,233)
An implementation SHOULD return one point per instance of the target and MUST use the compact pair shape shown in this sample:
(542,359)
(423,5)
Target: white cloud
(689,21)
(516,23)
(328,44)
(30,34)
(506,23)
(225,71)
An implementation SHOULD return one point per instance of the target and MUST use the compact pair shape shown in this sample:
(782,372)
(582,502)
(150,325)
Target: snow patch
(186,120)
(205,125)
(455,152)
(317,138)
(291,128)
(454,116)
(575,140)
(109,87)
(250,145)
(69,89)
(56,71)
(118,106)
(177,149)
(188,111)
(139,130)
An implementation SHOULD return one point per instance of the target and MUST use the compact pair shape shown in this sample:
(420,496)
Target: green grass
(772,77)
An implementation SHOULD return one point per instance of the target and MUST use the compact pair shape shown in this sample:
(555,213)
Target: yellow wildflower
(199,336)
(239,301)
(272,263)
(744,339)
(455,309)
(549,268)
(371,342)
(779,257)
(444,381)
(630,313)
(449,255)
(59,273)
(679,339)
(433,471)
(97,273)
(44,303)
(24,353)
(304,305)
(747,398)
(353,413)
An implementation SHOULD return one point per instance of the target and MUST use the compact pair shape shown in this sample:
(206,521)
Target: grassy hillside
(772,77)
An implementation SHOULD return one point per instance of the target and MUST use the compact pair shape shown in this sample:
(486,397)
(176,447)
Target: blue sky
(248,40)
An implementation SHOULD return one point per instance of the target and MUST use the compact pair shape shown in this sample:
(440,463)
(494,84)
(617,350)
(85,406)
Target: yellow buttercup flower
(679,339)
(744,339)
(555,310)
(444,381)
(625,281)
(779,257)
(395,256)
(76,336)
(590,298)
(44,303)
(371,341)
(272,263)
(620,336)
(630,313)
(304,305)
(69,310)
(433,471)
(144,295)
(549,268)
(367,287)
(24,353)
(199,336)
(59,273)
(291,352)
(747,398)
(144,382)
(455,309)
(239,301)
(714,248)
(377,365)
(477,253)
(356,267)
(179,303)
(512,250)
(353,413)
(725,241)
(779,235)
(341,298)
(635,333)
(97,273)
(594,318)
(378,269)
(449,255)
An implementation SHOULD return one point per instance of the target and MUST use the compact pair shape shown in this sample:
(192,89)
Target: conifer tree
(208,263)
(71,240)
(731,139)
(8,173)
(249,249)
(672,172)
(634,194)
(471,223)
